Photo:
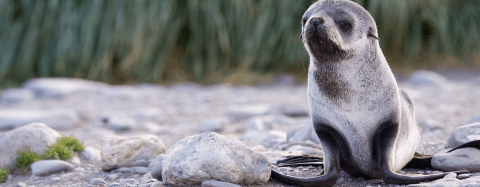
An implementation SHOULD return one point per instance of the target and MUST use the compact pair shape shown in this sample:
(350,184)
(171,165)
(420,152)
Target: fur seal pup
(366,124)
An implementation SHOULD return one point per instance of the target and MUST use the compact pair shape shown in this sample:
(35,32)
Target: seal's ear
(370,33)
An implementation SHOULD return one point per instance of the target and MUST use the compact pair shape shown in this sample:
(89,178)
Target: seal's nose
(317,21)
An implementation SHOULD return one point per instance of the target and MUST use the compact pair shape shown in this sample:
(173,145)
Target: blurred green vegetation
(207,41)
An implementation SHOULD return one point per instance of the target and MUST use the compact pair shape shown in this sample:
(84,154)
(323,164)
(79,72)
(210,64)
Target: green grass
(125,41)
(3,174)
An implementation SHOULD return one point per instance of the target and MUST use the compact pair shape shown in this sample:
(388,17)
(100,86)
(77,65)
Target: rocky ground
(272,119)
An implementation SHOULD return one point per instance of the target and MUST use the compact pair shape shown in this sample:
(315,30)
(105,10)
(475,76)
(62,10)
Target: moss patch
(3,174)
(25,158)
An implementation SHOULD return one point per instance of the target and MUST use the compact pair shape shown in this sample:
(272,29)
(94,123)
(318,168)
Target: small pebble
(214,183)
(97,181)
(113,176)
(375,181)
(55,179)
(157,184)
(21,184)
(79,169)
(450,176)
(464,176)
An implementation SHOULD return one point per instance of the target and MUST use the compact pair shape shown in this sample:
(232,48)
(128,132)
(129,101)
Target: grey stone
(253,138)
(61,87)
(97,181)
(132,170)
(36,136)
(460,159)
(127,181)
(16,95)
(214,124)
(131,151)
(463,135)
(464,176)
(157,171)
(47,167)
(450,175)
(55,179)
(208,156)
(304,133)
(157,160)
(75,160)
(214,183)
(79,169)
(91,154)
(114,185)
(120,122)
(145,185)
(238,113)
(424,77)
(59,119)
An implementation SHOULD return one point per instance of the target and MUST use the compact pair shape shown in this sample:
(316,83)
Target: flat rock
(59,119)
(460,159)
(47,167)
(118,151)
(97,181)
(37,136)
(16,95)
(424,77)
(212,156)
(61,87)
(91,154)
(214,183)
(463,135)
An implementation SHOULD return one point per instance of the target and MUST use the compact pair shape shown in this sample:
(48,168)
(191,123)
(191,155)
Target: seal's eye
(344,25)
(304,20)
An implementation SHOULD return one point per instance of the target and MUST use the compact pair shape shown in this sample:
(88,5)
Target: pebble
(21,184)
(140,149)
(97,181)
(464,176)
(91,154)
(156,171)
(461,159)
(120,122)
(55,179)
(47,167)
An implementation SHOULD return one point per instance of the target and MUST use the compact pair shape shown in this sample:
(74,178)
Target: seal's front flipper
(305,160)
(384,142)
(474,144)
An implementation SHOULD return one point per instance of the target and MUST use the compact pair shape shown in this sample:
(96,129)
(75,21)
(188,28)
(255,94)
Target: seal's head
(332,30)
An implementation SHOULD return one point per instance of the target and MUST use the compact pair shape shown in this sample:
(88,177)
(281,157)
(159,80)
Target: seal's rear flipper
(474,144)
(305,160)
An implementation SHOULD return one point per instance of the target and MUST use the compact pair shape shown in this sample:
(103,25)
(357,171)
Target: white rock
(75,160)
(450,175)
(37,136)
(55,179)
(464,134)
(120,122)
(255,124)
(460,159)
(238,113)
(424,77)
(211,156)
(16,95)
(214,124)
(61,87)
(47,167)
(120,151)
(91,154)
(59,119)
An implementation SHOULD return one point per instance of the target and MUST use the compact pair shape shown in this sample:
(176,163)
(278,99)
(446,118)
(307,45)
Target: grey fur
(352,89)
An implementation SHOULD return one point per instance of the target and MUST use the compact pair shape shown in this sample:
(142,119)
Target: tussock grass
(167,41)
